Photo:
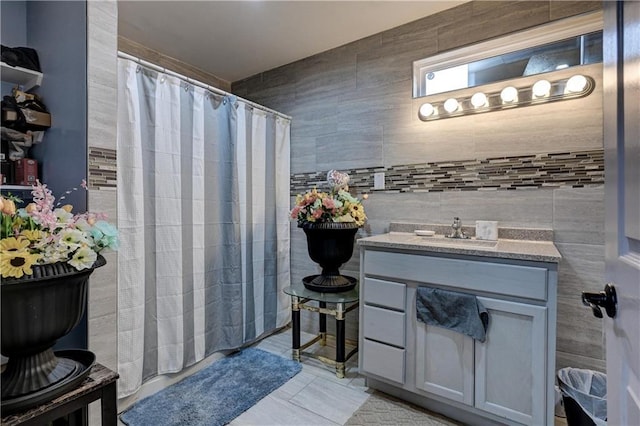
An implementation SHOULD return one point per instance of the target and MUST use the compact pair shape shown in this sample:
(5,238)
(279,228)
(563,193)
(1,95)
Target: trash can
(584,394)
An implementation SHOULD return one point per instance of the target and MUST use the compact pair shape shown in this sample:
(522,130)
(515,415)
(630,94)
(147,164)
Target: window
(559,45)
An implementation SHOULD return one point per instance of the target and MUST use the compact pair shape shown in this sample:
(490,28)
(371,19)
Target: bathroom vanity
(508,378)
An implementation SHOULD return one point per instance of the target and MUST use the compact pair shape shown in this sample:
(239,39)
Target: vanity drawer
(505,279)
(384,293)
(384,361)
(384,325)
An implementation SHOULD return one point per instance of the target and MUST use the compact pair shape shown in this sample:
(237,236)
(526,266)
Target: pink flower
(328,203)
(294,212)
(317,213)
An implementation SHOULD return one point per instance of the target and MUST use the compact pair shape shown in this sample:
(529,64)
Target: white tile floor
(315,396)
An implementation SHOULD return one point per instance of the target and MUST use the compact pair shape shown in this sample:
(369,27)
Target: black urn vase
(37,310)
(330,245)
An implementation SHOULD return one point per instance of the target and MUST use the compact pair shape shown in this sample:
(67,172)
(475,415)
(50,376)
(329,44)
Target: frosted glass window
(445,80)
(547,48)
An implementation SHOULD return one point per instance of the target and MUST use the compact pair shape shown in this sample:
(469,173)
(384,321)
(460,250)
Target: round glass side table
(302,298)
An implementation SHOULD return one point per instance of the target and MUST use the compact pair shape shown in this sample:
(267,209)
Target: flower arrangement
(337,205)
(43,233)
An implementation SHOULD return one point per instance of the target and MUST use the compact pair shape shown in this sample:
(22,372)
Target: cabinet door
(444,363)
(510,365)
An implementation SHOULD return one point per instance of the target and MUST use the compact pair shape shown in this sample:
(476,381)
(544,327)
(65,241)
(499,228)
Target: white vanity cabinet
(508,378)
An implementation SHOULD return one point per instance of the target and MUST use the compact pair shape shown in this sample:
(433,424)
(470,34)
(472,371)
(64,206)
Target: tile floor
(315,396)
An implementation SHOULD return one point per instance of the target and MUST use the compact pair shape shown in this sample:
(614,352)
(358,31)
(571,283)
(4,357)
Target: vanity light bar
(541,92)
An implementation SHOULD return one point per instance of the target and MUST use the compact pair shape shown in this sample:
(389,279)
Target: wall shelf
(26,78)
(16,187)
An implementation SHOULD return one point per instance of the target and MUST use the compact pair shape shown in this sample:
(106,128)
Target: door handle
(606,299)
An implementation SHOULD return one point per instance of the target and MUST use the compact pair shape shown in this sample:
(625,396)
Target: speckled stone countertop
(535,244)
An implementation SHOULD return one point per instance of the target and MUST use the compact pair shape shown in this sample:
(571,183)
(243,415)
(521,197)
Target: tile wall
(353,110)
(102,24)
(102,114)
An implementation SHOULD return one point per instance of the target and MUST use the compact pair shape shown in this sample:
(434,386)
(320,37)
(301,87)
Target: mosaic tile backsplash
(554,170)
(102,168)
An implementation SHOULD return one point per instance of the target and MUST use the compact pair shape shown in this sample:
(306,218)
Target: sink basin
(437,240)
(460,242)
(402,236)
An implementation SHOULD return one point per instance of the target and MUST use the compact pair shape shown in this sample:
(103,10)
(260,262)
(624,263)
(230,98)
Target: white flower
(73,238)
(83,258)
(53,253)
(83,225)
(345,218)
(63,216)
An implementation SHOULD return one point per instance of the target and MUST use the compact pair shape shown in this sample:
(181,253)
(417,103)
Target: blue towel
(459,312)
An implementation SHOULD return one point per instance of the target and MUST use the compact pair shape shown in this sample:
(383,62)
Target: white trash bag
(589,389)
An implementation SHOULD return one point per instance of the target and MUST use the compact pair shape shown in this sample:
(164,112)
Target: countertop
(541,251)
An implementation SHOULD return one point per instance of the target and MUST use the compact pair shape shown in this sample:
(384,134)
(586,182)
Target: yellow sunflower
(16,263)
(13,244)
(32,235)
(357,212)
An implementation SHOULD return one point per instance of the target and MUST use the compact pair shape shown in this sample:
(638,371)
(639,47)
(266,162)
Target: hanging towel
(459,312)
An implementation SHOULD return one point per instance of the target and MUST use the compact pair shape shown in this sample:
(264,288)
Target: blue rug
(216,394)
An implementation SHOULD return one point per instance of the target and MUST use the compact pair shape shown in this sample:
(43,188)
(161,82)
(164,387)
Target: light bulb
(479,100)
(577,83)
(426,110)
(541,88)
(509,94)
(451,105)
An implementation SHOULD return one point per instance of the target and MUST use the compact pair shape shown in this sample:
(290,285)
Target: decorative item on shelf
(25,112)
(25,171)
(24,57)
(46,257)
(330,221)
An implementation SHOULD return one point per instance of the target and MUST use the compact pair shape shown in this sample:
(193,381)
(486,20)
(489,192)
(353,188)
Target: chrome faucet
(456,229)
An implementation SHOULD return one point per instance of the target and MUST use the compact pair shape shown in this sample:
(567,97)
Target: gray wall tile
(138,50)
(102,22)
(571,359)
(103,341)
(578,215)
(491,19)
(520,208)
(423,27)
(341,150)
(579,332)
(392,62)
(563,9)
(581,268)
(354,103)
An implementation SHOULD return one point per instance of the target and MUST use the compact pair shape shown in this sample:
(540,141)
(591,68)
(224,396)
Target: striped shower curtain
(203,200)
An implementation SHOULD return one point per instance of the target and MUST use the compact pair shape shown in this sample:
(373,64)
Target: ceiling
(237,39)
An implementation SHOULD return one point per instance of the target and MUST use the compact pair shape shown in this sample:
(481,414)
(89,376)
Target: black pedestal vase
(330,245)
(37,310)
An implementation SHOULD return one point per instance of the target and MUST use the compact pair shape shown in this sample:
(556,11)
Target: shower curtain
(203,200)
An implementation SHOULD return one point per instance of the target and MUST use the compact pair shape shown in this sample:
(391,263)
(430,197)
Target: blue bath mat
(216,394)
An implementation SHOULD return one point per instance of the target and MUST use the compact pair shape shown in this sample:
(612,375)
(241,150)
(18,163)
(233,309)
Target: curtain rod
(199,84)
